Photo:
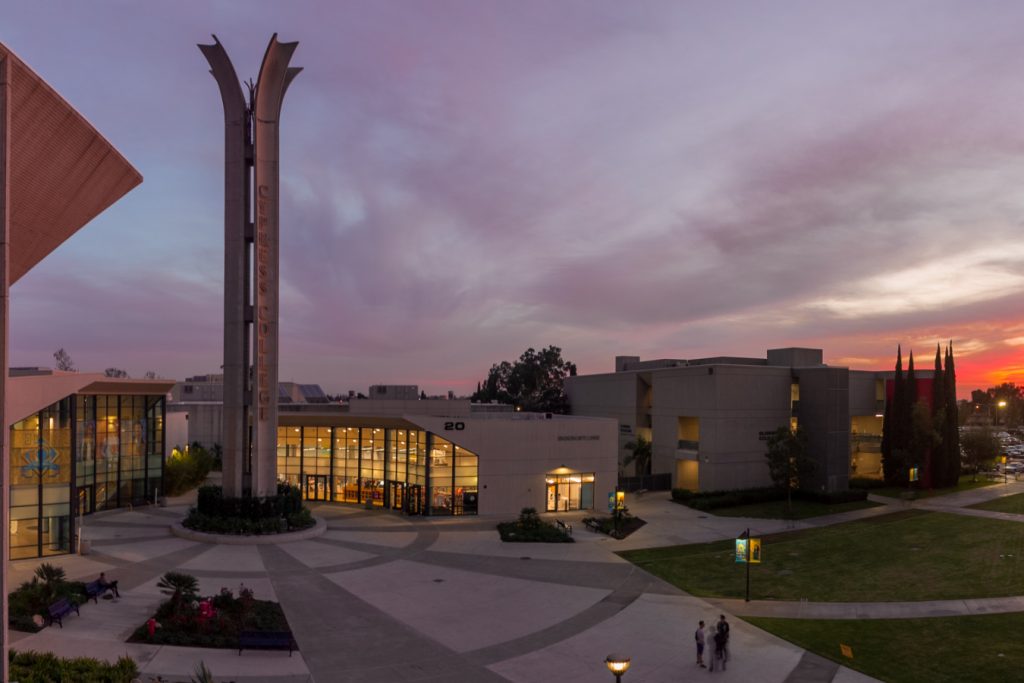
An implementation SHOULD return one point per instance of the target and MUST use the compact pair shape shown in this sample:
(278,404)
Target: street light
(618,665)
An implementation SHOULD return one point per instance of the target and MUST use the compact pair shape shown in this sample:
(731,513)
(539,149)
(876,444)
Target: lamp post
(618,665)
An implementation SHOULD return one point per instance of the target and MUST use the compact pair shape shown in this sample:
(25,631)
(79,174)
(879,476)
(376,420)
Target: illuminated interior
(569,491)
(118,461)
(401,469)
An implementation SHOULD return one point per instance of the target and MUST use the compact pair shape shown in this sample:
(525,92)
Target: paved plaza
(383,597)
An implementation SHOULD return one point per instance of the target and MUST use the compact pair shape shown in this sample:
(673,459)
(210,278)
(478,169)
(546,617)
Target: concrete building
(423,456)
(708,419)
(195,411)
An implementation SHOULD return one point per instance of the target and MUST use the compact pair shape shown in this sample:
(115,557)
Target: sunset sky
(463,180)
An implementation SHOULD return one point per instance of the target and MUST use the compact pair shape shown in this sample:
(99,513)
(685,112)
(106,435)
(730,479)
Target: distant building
(708,419)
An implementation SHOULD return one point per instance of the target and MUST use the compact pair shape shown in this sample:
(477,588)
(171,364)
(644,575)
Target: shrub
(44,667)
(866,483)
(186,469)
(33,597)
(530,528)
(216,514)
(184,623)
(706,501)
(180,586)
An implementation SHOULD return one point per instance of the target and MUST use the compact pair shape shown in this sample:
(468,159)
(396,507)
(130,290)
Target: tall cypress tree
(915,442)
(951,434)
(893,428)
(939,459)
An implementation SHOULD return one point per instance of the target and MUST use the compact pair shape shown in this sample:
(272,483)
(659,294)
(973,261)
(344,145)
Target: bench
(266,640)
(61,609)
(565,528)
(592,524)
(94,589)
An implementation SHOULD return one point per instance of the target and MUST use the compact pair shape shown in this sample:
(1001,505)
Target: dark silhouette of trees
(535,382)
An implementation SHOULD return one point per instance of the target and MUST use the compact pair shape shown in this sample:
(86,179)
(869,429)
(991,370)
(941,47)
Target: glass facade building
(79,455)
(411,470)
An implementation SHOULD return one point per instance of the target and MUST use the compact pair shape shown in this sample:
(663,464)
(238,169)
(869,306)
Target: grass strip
(910,555)
(972,648)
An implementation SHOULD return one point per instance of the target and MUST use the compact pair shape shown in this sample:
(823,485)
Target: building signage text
(264,316)
(592,437)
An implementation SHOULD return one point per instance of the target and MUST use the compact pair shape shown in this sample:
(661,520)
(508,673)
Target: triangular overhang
(63,173)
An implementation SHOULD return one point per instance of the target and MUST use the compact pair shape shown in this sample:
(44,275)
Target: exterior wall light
(618,665)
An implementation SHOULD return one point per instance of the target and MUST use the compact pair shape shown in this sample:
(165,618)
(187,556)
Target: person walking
(723,628)
(699,637)
(715,641)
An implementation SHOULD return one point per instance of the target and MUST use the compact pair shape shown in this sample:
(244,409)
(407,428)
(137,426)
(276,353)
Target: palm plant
(52,577)
(202,674)
(640,453)
(178,585)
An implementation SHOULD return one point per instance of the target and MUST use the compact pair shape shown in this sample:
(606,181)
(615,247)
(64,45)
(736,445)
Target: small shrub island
(216,514)
(188,619)
(530,528)
(617,525)
(27,606)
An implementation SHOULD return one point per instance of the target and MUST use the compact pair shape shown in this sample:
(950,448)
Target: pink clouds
(464,180)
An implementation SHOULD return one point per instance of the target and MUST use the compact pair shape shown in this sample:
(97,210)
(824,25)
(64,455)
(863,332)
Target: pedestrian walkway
(385,597)
(390,598)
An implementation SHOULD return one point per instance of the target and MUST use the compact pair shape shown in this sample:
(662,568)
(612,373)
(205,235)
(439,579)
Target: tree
(535,382)
(951,433)
(115,372)
(788,461)
(639,453)
(63,360)
(893,429)
(981,447)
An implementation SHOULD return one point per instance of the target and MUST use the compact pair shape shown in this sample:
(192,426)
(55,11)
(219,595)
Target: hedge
(44,667)
(714,500)
(212,503)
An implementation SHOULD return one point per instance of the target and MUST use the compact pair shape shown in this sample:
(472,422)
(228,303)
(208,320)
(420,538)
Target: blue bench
(61,609)
(266,640)
(94,589)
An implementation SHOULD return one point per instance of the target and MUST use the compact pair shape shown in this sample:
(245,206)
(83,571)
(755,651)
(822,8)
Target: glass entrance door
(569,492)
(396,492)
(316,487)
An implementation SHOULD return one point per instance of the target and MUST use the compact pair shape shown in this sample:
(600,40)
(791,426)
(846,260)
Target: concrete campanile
(251,265)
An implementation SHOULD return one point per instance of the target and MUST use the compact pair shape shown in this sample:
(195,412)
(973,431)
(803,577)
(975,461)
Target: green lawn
(1014,504)
(802,509)
(911,555)
(975,648)
(965,485)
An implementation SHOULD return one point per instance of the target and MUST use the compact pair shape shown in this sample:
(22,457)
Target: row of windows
(406,469)
(99,451)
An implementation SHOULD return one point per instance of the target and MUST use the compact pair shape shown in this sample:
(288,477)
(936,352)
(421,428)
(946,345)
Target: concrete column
(237,161)
(5,454)
(273,80)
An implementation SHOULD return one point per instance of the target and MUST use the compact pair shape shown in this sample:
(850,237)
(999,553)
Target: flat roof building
(708,419)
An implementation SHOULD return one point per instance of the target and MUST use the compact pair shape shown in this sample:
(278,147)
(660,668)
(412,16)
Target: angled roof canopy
(63,173)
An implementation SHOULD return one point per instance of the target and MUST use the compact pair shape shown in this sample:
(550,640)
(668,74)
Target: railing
(687,445)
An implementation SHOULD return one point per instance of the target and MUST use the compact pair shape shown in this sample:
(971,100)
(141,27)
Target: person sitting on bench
(108,585)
